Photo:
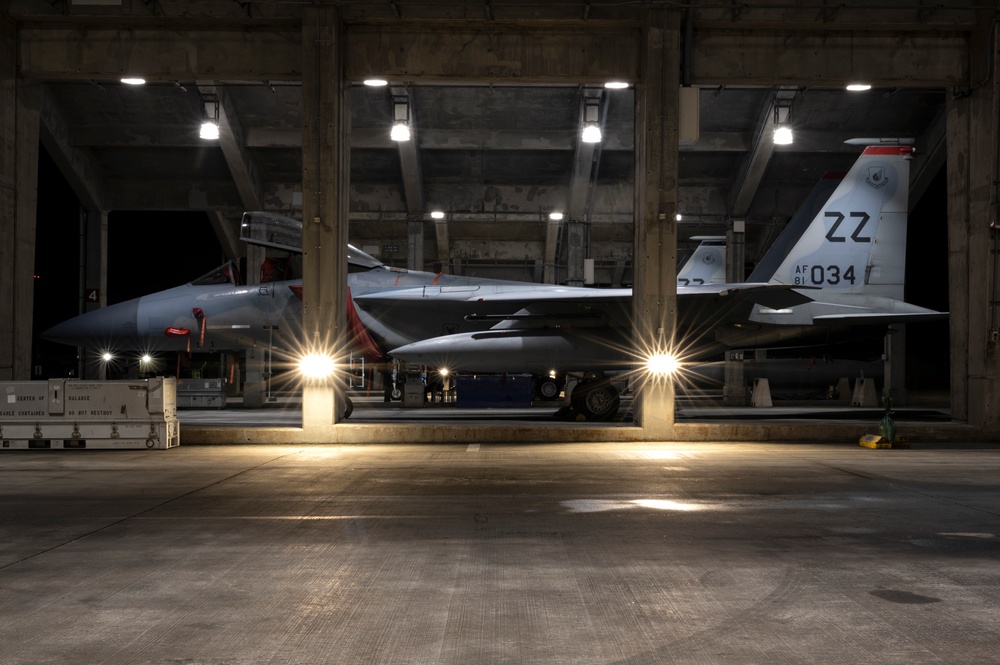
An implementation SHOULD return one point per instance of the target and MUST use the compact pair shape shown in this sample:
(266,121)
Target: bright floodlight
(316,366)
(107,357)
(859,87)
(133,80)
(555,216)
(591,133)
(661,364)
(437,214)
(443,371)
(782,135)
(400,132)
(209,130)
(146,359)
(616,85)
(376,83)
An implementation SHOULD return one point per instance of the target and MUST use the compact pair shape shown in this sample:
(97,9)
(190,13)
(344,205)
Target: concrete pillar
(255,379)
(94,294)
(654,300)
(974,240)
(894,352)
(19,122)
(255,369)
(325,174)
(415,245)
(734,390)
(576,252)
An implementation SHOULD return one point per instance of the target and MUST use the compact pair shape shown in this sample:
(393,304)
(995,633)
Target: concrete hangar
(496,94)
(635,542)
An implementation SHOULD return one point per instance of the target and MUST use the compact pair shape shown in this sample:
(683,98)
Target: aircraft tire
(547,389)
(348,407)
(597,400)
(396,394)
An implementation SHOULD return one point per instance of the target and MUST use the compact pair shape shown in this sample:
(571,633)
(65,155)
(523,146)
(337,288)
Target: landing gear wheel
(548,389)
(598,400)
(396,394)
(348,407)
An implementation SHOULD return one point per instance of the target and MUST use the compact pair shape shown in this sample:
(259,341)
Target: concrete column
(415,244)
(974,240)
(95,281)
(325,174)
(19,122)
(894,351)
(255,376)
(255,380)
(576,252)
(734,390)
(654,300)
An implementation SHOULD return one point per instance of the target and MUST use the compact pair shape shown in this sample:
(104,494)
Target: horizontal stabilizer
(775,296)
(880,318)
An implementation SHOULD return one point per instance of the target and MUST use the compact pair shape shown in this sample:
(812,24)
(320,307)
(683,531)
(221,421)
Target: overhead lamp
(859,87)
(376,83)
(555,216)
(782,128)
(591,129)
(437,214)
(616,85)
(210,127)
(400,128)
(133,80)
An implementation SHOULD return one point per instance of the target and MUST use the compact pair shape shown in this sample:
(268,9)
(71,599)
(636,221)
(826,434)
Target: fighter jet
(851,252)
(845,269)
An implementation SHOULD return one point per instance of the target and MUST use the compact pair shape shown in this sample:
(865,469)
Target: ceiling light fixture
(437,214)
(400,128)
(591,128)
(555,216)
(376,83)
(133,80)
(782,127)
(210,127)
(616,85)
(859,87)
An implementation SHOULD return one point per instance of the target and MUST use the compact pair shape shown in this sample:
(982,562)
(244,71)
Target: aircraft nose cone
(106,326)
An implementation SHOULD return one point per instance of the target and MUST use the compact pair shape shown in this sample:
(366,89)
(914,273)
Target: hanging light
(782,128)
(591,128)
(400,128)
(210,127)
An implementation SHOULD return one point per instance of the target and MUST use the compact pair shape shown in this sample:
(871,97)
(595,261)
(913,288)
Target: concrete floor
(548,553)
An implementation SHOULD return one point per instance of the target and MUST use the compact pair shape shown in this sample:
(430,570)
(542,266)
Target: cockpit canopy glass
(227,273)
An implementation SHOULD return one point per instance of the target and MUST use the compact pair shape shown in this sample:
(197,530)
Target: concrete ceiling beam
(76,164)
(240,162)
(779,57)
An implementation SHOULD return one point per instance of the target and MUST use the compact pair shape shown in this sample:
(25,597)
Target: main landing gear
(595,398)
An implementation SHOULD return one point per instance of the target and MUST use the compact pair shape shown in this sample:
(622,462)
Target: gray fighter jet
(840,267)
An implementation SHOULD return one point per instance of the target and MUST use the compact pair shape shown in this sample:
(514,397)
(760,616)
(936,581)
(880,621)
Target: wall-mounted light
(210,127)
(376,83)
(616,85)
(591,128)
(400,127)
(555,216)
(858,86)
(437,214)
(133,80)
(782,127)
